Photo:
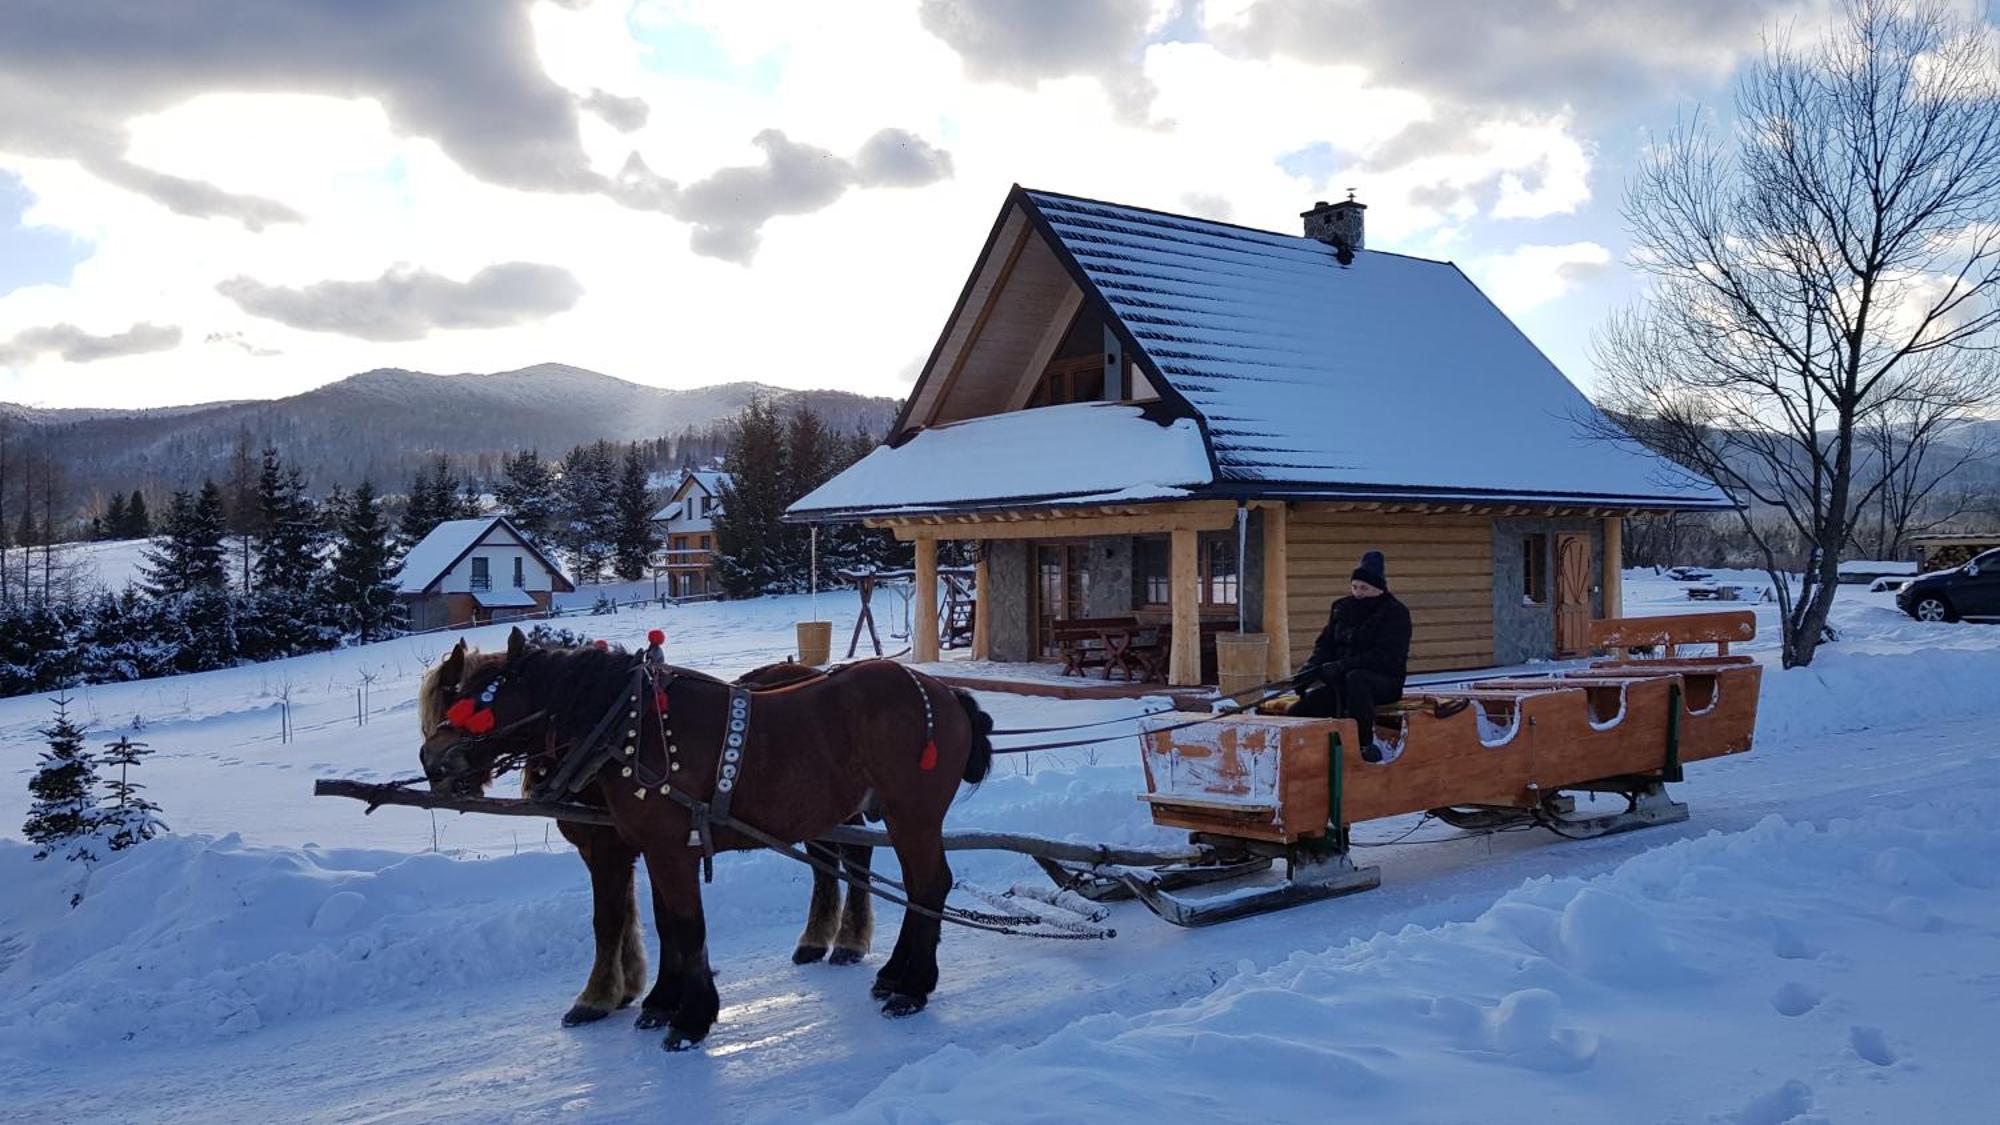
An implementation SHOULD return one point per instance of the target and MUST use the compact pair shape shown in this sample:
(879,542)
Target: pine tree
(165,568)
(115,517)
(207,560)
(434,498)
(242,517)
(361,588)
(64,816)
(749,534)
(587,520)
(634,540)
(129,819)
(289,548)
(527,494)
(138,521)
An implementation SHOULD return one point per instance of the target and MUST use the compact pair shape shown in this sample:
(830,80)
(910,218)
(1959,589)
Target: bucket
(815,642)
(1239,661)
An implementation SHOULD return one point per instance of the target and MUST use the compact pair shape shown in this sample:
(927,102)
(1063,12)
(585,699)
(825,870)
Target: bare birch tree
(1834,255)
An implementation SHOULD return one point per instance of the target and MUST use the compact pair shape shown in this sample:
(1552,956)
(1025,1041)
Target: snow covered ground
(1816,943)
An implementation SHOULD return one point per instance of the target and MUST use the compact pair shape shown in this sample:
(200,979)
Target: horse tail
(979,762)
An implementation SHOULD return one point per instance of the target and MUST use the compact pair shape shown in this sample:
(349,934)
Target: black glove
(1305,678)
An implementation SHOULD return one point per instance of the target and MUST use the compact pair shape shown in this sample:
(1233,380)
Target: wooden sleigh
(1482,755)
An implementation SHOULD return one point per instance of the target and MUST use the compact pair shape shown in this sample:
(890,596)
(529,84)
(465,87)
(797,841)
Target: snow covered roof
(1393,377)
(671,511)
(503,597)
(1089,452)
(435,554)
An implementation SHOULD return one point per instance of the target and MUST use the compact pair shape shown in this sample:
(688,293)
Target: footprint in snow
(1789,1104)
(1795,999)
(1871,1045)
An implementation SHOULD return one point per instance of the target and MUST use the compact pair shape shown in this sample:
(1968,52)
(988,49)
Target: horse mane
(576,685)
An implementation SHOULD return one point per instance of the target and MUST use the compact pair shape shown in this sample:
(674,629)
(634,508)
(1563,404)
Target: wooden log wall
(1440,565)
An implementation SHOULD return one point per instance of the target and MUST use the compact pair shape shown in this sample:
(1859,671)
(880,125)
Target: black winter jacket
(1366,634)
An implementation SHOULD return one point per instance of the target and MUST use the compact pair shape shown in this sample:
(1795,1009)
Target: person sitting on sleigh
(1360,659)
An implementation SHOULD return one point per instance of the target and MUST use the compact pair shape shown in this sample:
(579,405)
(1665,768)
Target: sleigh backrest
(1618,637)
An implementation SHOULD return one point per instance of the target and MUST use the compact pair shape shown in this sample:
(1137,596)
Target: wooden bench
(1094,642)
(1618,637)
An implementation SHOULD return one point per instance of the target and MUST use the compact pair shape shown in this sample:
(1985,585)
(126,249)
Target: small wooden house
(686,527)
(475,572)
(1125,403)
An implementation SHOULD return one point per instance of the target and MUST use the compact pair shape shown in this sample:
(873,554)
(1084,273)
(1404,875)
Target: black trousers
(1355,696)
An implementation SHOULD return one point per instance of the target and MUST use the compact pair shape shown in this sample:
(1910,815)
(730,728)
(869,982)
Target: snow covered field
(1817,943)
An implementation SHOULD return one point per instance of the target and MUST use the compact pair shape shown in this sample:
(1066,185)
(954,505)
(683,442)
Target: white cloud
(1528,277)
(842,295)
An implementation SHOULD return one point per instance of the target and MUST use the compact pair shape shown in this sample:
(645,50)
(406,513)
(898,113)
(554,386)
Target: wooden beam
(982,608)
(1614,567)
(1277,594)
(1184,657)
(924,629)
(985,313)
(1217,515)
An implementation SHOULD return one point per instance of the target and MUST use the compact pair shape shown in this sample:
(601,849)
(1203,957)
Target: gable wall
(502,551)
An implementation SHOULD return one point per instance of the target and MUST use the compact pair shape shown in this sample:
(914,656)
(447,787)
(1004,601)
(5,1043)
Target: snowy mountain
(383,423)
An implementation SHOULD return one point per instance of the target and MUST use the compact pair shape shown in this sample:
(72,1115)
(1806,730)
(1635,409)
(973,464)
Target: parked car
(1972,590)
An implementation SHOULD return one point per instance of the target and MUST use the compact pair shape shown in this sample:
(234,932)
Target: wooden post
(1614,567)
(1184,658)
(924,628)
(982,607)
(1277,594)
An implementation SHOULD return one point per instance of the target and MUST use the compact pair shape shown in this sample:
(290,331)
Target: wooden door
(1062,590)
(1572,594)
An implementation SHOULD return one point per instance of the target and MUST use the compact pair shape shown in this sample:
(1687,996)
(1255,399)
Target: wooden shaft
(1065,850)
(924,629)
(1183,577)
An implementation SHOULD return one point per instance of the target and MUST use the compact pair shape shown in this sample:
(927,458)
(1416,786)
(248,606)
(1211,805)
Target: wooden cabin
(1145,415)
(476,572)
(685,526)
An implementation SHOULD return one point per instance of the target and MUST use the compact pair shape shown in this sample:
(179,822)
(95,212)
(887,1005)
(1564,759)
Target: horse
(791,762)
(840,935)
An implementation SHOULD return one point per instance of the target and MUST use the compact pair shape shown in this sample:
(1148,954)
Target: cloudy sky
(210,199)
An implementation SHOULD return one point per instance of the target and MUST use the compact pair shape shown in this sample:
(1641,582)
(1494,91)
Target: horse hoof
(902,1004)
(581,1014)
(807,954)
(652,1019)
(678,1041)
(842,955)
(881,989)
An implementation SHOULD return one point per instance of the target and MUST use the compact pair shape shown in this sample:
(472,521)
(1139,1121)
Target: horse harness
(598,749)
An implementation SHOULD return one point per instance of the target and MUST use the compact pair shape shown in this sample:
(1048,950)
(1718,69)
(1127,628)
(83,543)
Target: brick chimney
(1339,225)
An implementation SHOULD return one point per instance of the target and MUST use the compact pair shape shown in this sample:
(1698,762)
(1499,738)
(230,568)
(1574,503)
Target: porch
(1141,592)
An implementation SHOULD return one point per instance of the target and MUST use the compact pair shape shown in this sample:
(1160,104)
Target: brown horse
(840,935)
(807,756)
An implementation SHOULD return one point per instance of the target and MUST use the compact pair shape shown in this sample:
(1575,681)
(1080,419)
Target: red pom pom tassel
(929,759)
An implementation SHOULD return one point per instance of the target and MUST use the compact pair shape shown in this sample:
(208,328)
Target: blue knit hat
(1372,571)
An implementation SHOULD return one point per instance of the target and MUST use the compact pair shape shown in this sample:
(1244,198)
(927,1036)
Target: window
(1219,580)
(680,542)
(520,572)
(482,573)
(1151,563)
(1534,569)
(1070,380)
(1215,568)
